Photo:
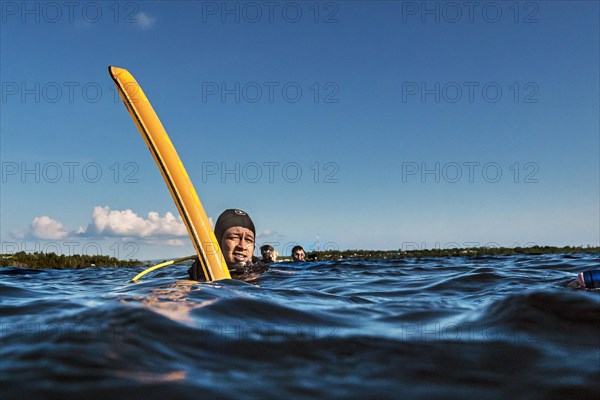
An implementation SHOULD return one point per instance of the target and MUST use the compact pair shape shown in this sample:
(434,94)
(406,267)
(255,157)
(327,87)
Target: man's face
(298,255)
(237,245)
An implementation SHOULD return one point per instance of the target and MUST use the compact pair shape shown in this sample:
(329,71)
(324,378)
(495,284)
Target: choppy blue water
(437,328)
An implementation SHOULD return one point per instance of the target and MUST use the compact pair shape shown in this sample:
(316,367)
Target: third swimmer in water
(235,234)
(298,254)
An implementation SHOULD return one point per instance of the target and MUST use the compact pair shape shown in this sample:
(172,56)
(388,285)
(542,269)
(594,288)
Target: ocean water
(432,328)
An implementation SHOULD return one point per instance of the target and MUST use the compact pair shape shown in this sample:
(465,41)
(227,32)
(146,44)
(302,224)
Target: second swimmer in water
(269,255)
(235,234)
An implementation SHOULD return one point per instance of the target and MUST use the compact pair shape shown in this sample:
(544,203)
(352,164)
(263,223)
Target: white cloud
(154,229)
(127,223)
(168,242)
(46,228)
(144,20)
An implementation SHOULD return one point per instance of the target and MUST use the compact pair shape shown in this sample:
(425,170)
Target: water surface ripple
(492,327)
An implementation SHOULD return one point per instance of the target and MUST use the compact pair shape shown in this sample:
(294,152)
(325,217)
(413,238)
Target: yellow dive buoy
(177,180)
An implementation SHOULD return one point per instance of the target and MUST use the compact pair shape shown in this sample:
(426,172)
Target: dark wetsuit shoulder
(245,272)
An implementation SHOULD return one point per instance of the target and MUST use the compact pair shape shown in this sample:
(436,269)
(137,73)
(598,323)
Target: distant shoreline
(54,261)
(454,252)
(77,261)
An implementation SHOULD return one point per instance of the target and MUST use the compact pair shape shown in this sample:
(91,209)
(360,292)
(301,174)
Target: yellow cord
(163,264)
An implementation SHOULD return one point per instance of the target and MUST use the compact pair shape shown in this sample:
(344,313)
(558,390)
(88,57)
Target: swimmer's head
(230,218)
(268,253)
(298,254)
(235,233)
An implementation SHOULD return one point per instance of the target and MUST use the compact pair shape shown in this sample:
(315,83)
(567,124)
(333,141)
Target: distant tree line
(52,260)
(454,252)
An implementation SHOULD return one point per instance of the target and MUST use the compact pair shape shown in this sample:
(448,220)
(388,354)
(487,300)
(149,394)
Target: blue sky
(379,124)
